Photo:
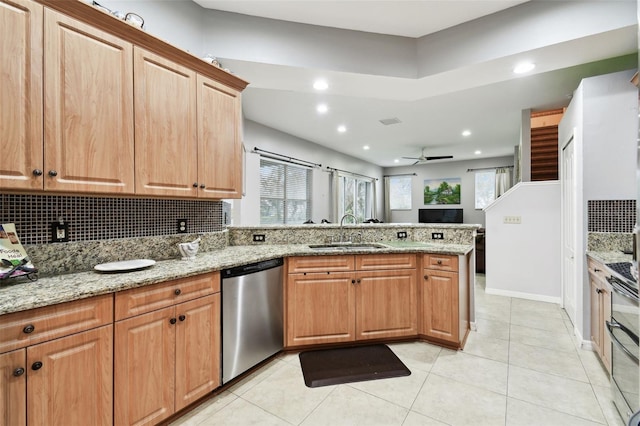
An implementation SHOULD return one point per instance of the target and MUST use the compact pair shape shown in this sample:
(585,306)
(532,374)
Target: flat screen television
(440,215)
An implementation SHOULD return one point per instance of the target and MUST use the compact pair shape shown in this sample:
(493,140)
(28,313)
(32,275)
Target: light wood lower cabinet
(600,293)
(60,372)
(167,358)
(332,306)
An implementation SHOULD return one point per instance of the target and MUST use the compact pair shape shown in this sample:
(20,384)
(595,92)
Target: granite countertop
(23,295)
(610,256)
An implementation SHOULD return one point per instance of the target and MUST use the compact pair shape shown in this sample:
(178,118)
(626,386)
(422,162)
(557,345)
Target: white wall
(603,121)
(447,169)
(523,260)
(247,210)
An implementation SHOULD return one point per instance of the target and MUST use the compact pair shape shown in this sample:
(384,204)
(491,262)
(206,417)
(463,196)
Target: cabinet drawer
(321,264)
(378,262)
(596,268)
(150,298)
(27,328)
(443,262)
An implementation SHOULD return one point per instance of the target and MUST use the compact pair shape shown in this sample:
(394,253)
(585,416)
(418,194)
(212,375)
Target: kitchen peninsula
(101,313)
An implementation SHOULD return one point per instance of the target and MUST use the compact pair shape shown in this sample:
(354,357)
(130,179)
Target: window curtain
(503,180)
(335,196)
(374,199)
(387,199)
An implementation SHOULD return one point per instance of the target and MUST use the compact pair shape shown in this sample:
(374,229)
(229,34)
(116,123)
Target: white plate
(125,265)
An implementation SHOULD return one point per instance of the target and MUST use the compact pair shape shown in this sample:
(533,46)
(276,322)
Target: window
(356,197)
(400,192)
(485,188)
(285,193)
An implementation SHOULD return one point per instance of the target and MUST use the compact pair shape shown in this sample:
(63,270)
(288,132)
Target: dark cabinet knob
(36,365)
(426,277)
(439,262)
(182,317)
(358,281)
(598,290)
(202,186)
(53,173)
(177,292)
(18,372)
(172,321)
(195,184)
(353,281)
(37,172)
(28,329)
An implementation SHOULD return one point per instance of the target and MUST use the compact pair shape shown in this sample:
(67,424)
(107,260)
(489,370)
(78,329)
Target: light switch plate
(512,220)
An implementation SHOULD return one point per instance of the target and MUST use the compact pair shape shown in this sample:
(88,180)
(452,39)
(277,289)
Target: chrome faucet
(355,221)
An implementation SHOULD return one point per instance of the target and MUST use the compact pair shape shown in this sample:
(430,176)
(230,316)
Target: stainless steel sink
(346,246)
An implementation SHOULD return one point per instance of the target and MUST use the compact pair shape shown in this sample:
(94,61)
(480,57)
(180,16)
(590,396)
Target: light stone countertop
(23,295)
(605,257)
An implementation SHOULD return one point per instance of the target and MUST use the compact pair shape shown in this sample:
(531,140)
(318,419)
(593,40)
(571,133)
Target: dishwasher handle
(252,268)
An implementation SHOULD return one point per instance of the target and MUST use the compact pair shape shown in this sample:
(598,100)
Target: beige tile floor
(521,367)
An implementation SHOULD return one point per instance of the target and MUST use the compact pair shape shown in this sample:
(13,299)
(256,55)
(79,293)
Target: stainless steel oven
(623,329)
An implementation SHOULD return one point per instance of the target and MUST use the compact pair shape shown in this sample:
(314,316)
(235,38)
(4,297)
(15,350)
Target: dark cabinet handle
(37,172)
(353,281)
(28,329)
(18,372)
(202,186)
(597,270)
(177,292)
(195,184)
(53,173)
(36,365)
(172,321)
(598,290)
(359,281)
(439,262)
(182,317)
(426,277)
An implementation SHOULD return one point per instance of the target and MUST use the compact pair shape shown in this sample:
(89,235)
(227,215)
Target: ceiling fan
(423,159)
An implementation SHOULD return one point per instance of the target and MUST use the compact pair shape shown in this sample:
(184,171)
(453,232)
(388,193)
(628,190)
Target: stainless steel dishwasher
(252,316)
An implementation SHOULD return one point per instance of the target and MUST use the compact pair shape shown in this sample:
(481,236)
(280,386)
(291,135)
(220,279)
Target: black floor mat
(353,364)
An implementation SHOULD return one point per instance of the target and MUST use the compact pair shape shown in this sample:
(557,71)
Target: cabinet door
(386,304)
(606,315)
(440,305)
(88,108)
(320,308)
(166,149)
(21,94)
(219,144)
(144,368)
(197,349)
(596,313)
(73,384)
(13,388)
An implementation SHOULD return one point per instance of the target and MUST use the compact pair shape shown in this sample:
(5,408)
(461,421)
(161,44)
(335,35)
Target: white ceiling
(483,96)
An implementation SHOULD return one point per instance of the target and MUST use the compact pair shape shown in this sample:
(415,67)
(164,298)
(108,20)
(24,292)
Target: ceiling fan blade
(416,162)
(442,157)
(411,158)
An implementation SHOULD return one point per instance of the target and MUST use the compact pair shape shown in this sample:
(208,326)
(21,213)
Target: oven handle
(614,324)
(620,290)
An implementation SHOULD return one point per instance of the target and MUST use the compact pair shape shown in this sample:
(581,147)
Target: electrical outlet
(512,220)
(182,226)
(437,236)
(402,234)
(59,232)
(258,238)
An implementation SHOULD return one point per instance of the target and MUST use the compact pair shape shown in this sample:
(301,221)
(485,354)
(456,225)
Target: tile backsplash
(611,215)
(102,218)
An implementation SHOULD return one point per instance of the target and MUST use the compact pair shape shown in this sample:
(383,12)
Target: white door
(568,230)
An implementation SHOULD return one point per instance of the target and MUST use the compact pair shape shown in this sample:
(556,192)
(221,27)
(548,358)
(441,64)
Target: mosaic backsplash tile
(611,215)
(101,218)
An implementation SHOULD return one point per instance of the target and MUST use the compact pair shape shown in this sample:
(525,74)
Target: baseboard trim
(473,326)
(521,295)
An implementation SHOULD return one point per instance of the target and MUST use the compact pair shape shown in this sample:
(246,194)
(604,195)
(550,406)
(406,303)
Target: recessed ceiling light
(466,133)
(478,152)
(524,67)
(342,129)
(366,147)
(320,85)
(396,161)
(322,108)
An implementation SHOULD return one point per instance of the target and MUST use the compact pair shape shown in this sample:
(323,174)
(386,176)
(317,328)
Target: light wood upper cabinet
(21,94)
(88,138)
(219,143)
(166,148)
